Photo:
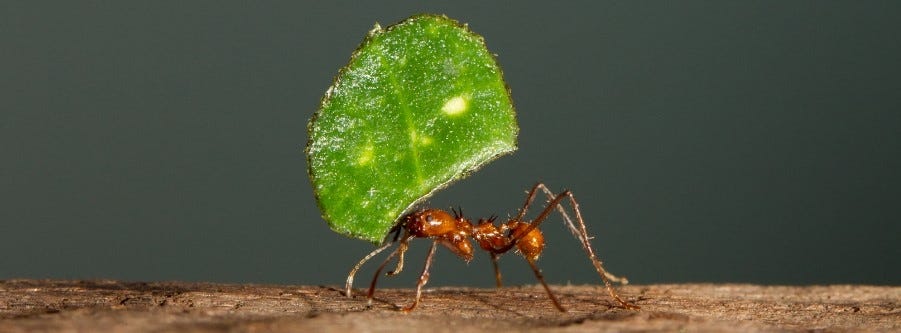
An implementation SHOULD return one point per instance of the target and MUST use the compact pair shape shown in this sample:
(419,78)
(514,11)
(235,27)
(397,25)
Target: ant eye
(429,218)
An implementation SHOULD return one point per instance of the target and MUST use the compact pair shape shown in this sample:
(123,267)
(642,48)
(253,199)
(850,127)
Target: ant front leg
(348,286)
(400,248)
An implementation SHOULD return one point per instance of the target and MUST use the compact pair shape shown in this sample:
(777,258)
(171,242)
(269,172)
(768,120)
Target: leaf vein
(408,118)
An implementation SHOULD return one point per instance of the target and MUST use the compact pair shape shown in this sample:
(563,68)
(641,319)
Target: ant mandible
(454,231)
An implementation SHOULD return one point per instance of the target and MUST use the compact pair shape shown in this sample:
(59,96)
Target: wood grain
(115,306)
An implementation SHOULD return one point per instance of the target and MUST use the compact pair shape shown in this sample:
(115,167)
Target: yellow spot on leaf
(366,155)
(455,105)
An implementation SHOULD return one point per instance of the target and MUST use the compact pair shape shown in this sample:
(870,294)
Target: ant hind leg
(581,233)
(544,284)
(529,198)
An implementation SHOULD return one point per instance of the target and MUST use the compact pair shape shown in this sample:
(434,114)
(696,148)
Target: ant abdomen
(530,243)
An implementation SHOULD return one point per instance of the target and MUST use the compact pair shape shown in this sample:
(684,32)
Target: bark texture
(115,306)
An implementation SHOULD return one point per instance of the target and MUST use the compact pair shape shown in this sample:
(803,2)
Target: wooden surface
(113,306)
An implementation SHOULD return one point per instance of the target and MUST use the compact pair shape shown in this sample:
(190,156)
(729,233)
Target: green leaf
(420,105)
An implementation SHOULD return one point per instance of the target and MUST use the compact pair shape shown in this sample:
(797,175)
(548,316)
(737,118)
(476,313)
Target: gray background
(706,141)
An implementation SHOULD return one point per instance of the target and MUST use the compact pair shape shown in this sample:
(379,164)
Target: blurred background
(753,142)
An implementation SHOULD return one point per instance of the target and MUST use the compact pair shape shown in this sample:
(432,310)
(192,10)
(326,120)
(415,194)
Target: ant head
(430,222)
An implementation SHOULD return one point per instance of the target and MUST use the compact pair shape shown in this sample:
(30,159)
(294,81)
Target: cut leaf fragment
(421,104)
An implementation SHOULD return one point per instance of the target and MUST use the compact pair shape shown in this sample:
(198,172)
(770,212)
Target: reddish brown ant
(454,231)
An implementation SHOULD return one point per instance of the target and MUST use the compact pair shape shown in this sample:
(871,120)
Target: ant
(454,231)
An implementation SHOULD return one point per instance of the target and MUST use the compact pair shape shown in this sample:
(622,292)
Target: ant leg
(532,226)
(378,272)
(529,198)
(567,220)
(424,277)
(497,270)
(348,287)
(544,284)
(582,234)
(535,223)
(402,248)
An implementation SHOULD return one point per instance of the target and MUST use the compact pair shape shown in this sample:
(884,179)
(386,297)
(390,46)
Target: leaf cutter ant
(454,231)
